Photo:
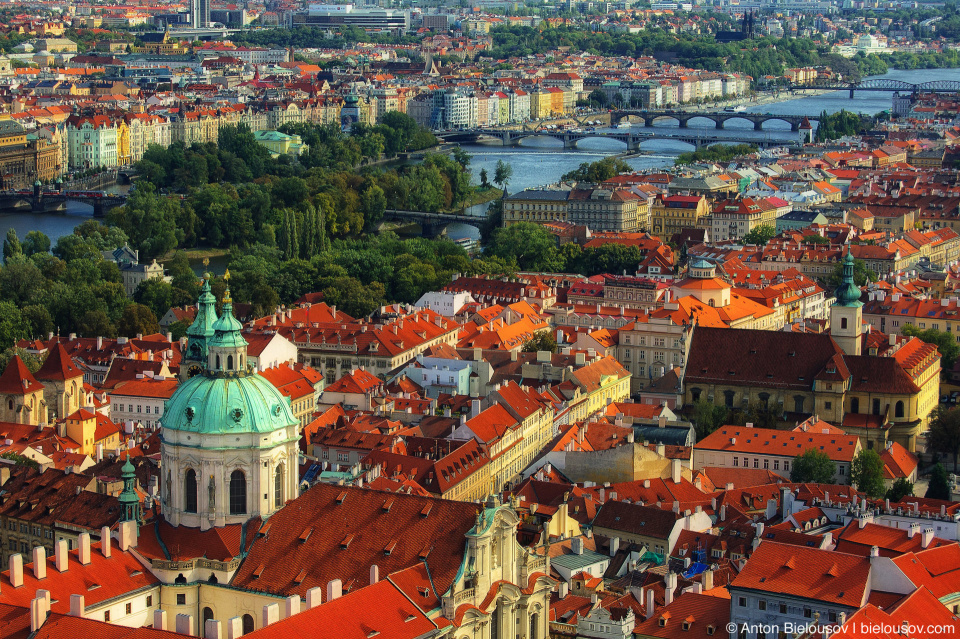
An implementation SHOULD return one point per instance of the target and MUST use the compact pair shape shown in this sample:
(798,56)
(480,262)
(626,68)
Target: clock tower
(199,334)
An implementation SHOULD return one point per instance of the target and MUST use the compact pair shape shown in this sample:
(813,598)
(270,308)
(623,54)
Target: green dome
(232,404)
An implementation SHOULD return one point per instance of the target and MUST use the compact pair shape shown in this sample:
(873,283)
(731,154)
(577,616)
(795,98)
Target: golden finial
(226,275)
(226,296)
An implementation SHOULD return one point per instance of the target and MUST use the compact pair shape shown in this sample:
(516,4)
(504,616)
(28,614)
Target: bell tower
(846,314)
(200,333)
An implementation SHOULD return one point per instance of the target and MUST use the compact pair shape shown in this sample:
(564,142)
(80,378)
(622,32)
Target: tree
(861,275)
(945,342)
(11,245)
(939,486)
(156,295)
(36,242)
(137,319)
(708,417)
(597,98)
(944,434)
(866,473)
(484,179)
(12,325)
(528,244)
(541,341)
(373,202)
(759,235)
(813,466)
(900,489)
(502,175)
(31,361)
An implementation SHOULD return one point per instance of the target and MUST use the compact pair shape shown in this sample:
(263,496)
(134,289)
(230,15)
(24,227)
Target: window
(762,605)
(238,493)
(828,405)
(728,398)
(190,492)
(786,465)
(766,464)
(736,461)
(247,624)
(278,487)
(855,405)
(206,616)
(106,616)
(776,464)
(149,600)
(783,609)
(181,599)
(129,608)
(798,403)
(843,323)
(842,469)
(898,409)
(876,407)
(343,457)
(742,602)
(807,613)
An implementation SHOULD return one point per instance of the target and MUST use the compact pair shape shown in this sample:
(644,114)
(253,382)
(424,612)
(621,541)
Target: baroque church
(234,545)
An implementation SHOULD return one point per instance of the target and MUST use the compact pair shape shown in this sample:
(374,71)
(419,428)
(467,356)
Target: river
(543,160)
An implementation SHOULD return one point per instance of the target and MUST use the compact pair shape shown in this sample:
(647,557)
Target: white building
(446,303)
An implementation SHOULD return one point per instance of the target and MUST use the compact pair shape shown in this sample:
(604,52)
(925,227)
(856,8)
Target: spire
(848,293)
(129,500)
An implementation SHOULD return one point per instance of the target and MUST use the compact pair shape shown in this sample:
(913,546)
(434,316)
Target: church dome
(227,405)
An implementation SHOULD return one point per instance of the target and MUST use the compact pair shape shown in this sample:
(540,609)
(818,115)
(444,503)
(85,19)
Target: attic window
(299,578)
(425,552)
(346,541)
(426,510)
(341,497)
(710,630)
(305,535)
(372,633)
(685,625)
(93,587)
(663,622)
(387,505)
(258,571)
(389,547)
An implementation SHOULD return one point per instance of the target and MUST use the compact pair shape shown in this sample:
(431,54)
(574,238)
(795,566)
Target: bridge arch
(554,140)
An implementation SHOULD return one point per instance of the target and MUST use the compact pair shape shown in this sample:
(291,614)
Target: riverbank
(196,254)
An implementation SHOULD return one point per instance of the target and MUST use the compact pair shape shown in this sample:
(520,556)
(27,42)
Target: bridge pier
(430,230)
(758,126)
(851,93)
(569,143)
(633,143)
(648,122)
(794,126)
(718,123)
(682,123)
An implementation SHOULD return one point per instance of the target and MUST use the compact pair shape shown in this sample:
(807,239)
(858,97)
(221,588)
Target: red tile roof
(769,441)
(808,573)
(59,626)
(17,380)
(277,557)
(58,366)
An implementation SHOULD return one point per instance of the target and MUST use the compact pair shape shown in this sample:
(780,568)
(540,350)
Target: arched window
(534,625)
(728,396)
(278,487)
(229,362)
(238,493)
(798,403)
(855,405)
(843,322)
(247,624)
(207,616)
(876,407)
(190,491)
(10,404)
(218,362)
(898,409)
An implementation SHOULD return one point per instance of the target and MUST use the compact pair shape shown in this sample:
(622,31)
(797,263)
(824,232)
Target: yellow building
(89,430)
(123,144)
(21,395)
(674,213)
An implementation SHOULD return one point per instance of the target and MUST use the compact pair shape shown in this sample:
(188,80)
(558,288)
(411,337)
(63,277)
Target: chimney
(77,608)
(185,624)
(926,537)
(105,541)
(128,535)
(314,597)
(670,582)
(708,579)
(40,562)
(914,529)
(771,509)
(270,614)
(16,571)
(83,549)
(291,606)
(374,574)
(651,604)
(661,450)
(614,546)
(563,589)
(474,407)
(576,545)
(723,512)
(874,551)
(159,616)
(212,629)
(61,555)
(37,614)
(675,471)
(676,507)
(334,589)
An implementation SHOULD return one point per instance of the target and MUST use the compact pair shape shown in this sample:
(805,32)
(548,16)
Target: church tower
(199,334)
(846,314)
(228,436)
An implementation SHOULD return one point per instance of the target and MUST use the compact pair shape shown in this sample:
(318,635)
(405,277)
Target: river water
(543,160)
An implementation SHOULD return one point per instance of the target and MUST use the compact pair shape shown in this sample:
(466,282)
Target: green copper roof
(241,403)
(848,294)
(227,329)
(202,328)
(129,500)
